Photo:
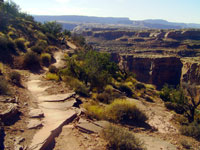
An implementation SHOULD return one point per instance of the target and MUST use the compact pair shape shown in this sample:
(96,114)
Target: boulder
(36,113)
(91,127)
(8,99)
(34,124)
(10,113)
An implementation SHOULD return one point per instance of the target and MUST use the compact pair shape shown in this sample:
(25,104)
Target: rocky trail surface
(54,111)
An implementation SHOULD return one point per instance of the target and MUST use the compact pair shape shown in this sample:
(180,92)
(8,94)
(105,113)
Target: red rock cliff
(153,70)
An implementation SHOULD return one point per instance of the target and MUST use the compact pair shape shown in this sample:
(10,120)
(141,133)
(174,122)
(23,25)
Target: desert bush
(81,89)
(4,89)
(125,111)
(186,144)
(1,68)
(6,44)
(94,111)
(12,35)
(174,106)
(53,69)
(3,43)
(78,86)
(11,45)
(42,43)
(150,86)
(52,76)
(192,130)
(46,59)
(182,120)
(52,29)
(126,89)
(149,99)
(109,88)
(15,77)
(20,43)
(104,97)
(91,67)
(40,35)
(120,138)
(140,86)
(31,61)
(78,39)
(37,49)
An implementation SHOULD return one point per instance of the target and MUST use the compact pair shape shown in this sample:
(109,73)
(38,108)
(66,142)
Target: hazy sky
(187,11)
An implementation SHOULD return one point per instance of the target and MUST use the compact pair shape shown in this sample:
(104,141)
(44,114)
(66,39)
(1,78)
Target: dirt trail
(57,112)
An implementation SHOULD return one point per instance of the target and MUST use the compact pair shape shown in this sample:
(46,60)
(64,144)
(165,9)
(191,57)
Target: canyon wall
(153,70)
(191,72)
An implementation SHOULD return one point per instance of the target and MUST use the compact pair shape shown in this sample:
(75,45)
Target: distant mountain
(70,22)
(163,24)
(84,19)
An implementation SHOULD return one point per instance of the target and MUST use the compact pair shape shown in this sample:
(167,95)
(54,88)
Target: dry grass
(121,139)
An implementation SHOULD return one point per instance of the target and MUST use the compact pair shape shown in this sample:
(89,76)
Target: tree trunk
(192,113)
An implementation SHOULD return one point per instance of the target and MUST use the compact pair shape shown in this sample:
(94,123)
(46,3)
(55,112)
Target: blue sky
(187,11)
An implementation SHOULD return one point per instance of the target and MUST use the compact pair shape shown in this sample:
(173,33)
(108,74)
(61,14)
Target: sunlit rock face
(157,70)
(191,73)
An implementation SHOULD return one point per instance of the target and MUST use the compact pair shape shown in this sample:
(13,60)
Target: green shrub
(182,120)
(91,67)
(149,99)
(20,43)
(53,69)
(126,89)
(121,139)
(81,89)
(104,97)
(174,106)
(109,88)
(46,59)
(3,43)
(6,45)
(192,130)
(4,89)
(78,86)
(94,111)
(52,76)
(42,43)
(37,49)
(125,111)
(186,144)
(15,77)
(31,61)
(140,86)
(40,35)
(12,35)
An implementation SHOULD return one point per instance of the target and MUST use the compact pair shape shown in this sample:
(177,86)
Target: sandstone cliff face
(152,70)
(183,35)
(191,73)
(112,35)
(143,34)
